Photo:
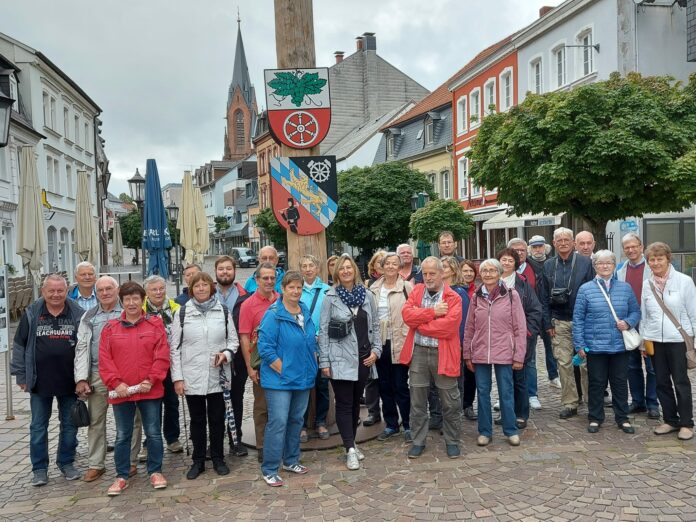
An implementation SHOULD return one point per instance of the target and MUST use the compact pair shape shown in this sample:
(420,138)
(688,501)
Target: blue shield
(156,239)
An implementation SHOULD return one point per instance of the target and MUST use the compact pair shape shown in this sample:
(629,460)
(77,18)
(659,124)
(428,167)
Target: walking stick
(186,433)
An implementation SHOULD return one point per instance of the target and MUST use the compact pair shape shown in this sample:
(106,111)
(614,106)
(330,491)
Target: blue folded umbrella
(156,239)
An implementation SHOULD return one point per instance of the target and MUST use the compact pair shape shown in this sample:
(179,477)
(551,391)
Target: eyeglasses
(492,271)
(604,263)
(268,278)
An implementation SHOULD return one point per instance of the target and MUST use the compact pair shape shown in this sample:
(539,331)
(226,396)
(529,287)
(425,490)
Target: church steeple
(241,105)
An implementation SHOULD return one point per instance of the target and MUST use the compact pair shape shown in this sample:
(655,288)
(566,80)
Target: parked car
(245,257)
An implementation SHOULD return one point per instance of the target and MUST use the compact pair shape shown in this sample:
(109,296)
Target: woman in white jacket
(678,293)
(202,345)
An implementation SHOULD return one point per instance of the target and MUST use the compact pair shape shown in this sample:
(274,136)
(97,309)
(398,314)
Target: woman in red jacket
(133,362)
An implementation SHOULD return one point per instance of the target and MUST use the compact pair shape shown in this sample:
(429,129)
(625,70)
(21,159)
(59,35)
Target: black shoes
(239,450)
(567,413)
(635,408)
(371,420)
(196,469)
(220,467)
(259,455)
(470,414)
(415,451)
(627,428)
(654,414)
(593,427)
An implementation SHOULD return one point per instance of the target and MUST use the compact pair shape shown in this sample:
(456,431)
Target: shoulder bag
(631,337)
(688,340)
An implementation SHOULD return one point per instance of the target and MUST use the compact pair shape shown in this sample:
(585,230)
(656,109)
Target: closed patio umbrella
(31,233)
(156,238)
(84,223)
(117,245)
(203,242)
(188,233)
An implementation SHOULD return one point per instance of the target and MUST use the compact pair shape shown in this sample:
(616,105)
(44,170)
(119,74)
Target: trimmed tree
(374,205)
(602,152)
(442,214)
(131,231)
(266,221)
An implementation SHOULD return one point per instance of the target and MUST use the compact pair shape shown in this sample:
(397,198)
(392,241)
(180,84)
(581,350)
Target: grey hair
(492,262)
(84,264)
(562,231)
(54,277)
(402,245)
(516,241)
(435,260)
(631,236)
(269,247)
(193,265)
(391,254)
(309,257)
(107,278)
(603,254)
(153,279)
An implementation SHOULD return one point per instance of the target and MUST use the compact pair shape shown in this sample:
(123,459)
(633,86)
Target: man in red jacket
(433,312)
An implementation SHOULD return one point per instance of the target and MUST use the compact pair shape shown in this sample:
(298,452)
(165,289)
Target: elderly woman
(203,343)
(374,267)
(330,267)
(669,297)
(597,337)
(495,338)
(288,349)
(313,291)
(391,292)
(468,273)
(510,261)
(349,346)
(133,362)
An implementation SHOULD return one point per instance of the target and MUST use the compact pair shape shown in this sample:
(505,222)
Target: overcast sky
(160,69)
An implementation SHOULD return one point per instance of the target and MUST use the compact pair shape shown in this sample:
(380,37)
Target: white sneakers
(555,383)
(352,459)
(534,403)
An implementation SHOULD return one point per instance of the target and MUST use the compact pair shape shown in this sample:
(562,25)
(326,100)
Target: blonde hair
(337,268)
(454,267)
(375,261)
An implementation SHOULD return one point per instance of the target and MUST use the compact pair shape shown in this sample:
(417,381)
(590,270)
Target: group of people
(424,341)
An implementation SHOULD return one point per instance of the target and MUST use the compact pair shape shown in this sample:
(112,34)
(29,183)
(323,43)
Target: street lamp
(173,213)
(136,185)
(420,200)
(5,106)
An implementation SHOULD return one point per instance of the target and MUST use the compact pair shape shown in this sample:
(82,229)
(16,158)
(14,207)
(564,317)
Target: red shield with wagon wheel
(299,106)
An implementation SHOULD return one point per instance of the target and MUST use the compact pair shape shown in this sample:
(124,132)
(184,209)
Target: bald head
(584,243)
(268,254)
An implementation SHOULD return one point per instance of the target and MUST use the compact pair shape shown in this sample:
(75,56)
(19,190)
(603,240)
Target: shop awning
(503,220)
(236,230)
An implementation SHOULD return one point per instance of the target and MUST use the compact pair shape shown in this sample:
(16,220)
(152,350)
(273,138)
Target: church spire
(240,71)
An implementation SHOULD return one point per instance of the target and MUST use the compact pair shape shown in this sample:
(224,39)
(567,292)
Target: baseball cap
(537,240)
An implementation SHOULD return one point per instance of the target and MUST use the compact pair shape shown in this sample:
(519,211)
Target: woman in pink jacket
(495,338)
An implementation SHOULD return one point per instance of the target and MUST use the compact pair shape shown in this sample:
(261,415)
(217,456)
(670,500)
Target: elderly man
(157,303)
(188,272)
(584,243)
(250,315)
(268,255)
(563,276)
(43,360)
(447,245)
(408,271)
(433,313)
(83,291)
(643,386)
(87,380)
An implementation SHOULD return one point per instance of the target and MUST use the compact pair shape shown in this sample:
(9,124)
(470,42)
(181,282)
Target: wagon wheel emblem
(300,128)
(319,171)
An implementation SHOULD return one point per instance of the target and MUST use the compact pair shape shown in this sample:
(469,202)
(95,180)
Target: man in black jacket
(563,276)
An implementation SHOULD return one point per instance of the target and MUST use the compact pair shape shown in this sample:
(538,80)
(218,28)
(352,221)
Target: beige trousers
(563,351)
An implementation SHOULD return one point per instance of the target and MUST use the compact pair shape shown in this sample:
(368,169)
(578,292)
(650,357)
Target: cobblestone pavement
(560,472)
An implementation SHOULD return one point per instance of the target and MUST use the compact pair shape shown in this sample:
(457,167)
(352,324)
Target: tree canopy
(277,234)
(603,151)
(221,223)
(374,205)
(442,214)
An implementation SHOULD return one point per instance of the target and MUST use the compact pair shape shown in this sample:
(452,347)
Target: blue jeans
(643,386)
(281,440)
(530,367)
(150,411)
(503,376)
(41,408)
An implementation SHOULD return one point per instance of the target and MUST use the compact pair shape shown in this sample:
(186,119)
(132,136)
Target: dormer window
(429,132)
(390,145)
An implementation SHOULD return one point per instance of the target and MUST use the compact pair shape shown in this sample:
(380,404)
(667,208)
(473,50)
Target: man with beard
(231,294)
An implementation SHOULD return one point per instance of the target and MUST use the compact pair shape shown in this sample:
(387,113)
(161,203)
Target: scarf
(205,305)
(165,312)
(660,282)
(354,298)
(492,294)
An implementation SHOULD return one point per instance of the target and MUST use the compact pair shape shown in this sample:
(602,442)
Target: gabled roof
(480,58)
(438,98)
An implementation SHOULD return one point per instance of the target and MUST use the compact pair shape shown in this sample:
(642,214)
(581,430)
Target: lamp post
(5,106)
(173,213)
(136,185)
(420,200)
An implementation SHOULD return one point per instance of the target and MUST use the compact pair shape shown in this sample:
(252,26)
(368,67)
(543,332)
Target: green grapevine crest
(296,86)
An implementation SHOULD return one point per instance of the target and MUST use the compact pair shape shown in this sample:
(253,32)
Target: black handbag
(80,414)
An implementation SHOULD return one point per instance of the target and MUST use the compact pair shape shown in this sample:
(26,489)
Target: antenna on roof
(239,19)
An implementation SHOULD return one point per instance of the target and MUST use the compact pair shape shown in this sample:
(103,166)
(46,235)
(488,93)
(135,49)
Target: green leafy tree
(221,223)
(277,234)
(125,197)
(442,214)
(131,231)
(374,204)
(602,152)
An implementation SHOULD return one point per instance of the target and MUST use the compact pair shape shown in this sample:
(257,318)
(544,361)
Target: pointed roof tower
(240,72)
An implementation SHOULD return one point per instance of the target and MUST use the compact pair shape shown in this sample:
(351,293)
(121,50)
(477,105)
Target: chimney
(543,10)
(358,43)
(370,42)
(339,56)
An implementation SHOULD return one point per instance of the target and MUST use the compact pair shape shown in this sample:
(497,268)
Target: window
(506,90)
(77,130)
(432,178)
(489,97)
(677,233)
(585,39)
(475,190)
(86,136)
(461,115)
(446,189)
(13,92)
(56,176)
(429,132)
(463,177)
(475,108)
(66,122)
(69,181)
(63,249)
(52,249)
(559,64)
(390,146)
(537,77)
(53,113)
(46,110)
(49,173)
(239,129)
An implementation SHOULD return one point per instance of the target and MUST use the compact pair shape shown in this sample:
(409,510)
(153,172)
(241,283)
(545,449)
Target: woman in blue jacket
(288,349)
(597,337)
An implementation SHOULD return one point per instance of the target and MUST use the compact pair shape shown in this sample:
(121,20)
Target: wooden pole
(294,29)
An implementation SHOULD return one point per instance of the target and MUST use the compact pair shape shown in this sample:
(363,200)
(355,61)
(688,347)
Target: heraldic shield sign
(299,105)
(304,193)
